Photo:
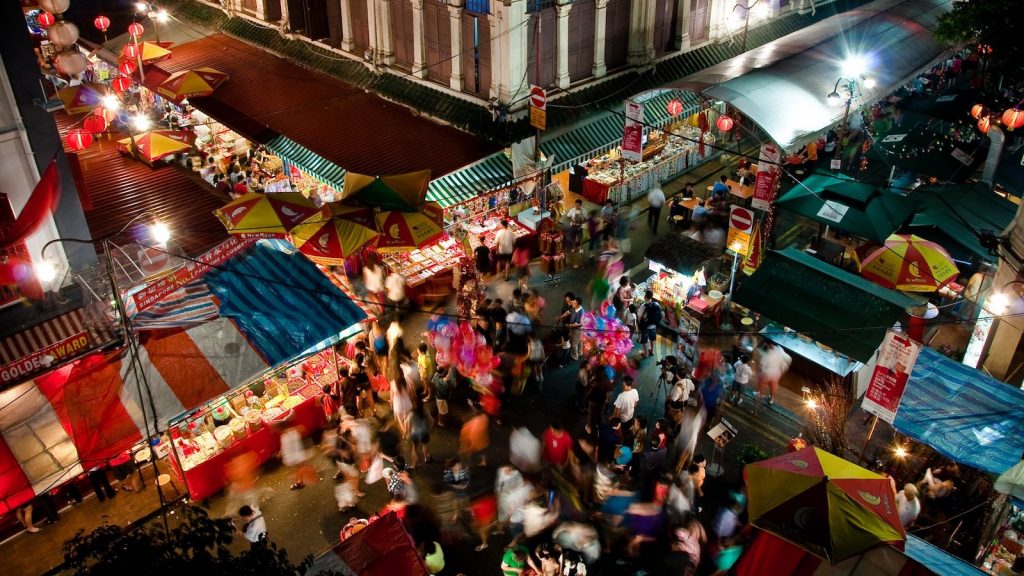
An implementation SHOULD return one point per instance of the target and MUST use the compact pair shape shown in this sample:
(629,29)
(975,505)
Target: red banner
(767,176)
(633,132)
(38,360)
(896,358)
(194,270)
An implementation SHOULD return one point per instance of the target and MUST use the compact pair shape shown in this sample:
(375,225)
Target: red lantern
(977,111)
(136,29)
(107,115)
(46,19)
(983,124)
(78,139)
(126,66)
(94,124)
(724,123)
(121,83)
(1013,118)
(674,107)
(131,51)
(102,23)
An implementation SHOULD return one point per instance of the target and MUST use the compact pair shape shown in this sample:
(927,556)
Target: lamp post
(854,74)
(47,272)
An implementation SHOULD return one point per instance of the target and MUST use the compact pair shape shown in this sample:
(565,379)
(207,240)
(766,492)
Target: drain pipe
(998,138)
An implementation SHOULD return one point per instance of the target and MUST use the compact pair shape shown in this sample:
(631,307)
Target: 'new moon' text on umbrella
(191,83)
(832,508)
(907,262)
(268,214)
(332,239)
(157,144)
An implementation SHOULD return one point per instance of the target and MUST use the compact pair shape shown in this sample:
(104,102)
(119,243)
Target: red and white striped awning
(50,332)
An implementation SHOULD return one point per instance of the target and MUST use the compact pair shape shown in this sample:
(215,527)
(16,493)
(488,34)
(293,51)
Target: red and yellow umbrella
(157,144)
(81,98)
(274,214)
(400,231)
(191,83)
(332,239)
(832,508)
(150,51)
(907,262)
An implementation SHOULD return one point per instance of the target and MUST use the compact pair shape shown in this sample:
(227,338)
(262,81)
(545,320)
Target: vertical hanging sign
(896,358)
(633,132)
(767,176)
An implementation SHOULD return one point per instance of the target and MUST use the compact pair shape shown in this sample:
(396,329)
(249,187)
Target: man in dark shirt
(482,255)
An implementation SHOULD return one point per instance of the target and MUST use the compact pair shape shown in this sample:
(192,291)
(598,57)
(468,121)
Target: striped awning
(656,107)
(308,161)
(492,172)
(51,332)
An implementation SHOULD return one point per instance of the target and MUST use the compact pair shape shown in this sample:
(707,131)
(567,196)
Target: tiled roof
(354,129)
(120,188)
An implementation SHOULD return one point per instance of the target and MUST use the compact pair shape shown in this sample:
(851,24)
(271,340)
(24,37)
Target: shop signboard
(896,358)
(44,358)
(194,270)
(689,334)
(741,224)
(767,176)
(633,132)
(538,108)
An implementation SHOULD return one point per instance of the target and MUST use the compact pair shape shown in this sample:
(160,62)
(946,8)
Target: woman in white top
(773,363)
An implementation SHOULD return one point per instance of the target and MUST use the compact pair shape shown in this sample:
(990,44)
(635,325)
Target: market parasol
(330,240)
(907,262)
(405,192)
(81,98)
(191,83)
(157,144)
(155,51)
(273,214)
(832,508)
(1012,481)
(400,231)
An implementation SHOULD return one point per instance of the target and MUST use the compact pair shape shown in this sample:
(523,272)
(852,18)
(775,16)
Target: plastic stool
(164,479)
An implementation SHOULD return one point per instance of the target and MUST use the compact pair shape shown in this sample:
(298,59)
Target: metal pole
(537,39)
(871,432)
(746,25)
(846,121)
(727,323)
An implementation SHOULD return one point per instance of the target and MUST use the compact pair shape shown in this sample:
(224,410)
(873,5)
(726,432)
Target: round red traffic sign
(741,219)
(538,98)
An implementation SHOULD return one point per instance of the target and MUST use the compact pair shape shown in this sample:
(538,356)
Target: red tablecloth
(595,191)
(208,478)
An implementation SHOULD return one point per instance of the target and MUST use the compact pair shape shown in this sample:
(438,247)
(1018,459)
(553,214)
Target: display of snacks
(417,266)
(490,228)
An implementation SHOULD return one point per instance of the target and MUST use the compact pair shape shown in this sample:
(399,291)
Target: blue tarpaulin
(285,306)
(963,413)
(936,559)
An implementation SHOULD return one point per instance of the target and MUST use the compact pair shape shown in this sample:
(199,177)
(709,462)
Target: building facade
(493,50)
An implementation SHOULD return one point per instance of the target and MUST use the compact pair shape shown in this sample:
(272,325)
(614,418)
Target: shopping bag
(376,471)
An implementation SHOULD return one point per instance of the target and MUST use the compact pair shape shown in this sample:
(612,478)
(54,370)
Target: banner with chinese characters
(767,176)
(896,358)
(633,132)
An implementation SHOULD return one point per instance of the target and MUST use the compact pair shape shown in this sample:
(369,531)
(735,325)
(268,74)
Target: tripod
(659,388)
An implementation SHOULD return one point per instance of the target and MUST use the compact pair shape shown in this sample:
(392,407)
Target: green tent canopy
(954,216)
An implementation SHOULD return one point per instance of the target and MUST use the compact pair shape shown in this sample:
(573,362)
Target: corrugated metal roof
(120,188)
(347,126)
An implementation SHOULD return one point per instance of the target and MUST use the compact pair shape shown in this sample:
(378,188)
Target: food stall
(683,267)
(488,228)
(247,421)
(428,269)
(666,154)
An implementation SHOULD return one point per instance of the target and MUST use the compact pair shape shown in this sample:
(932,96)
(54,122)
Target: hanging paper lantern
(674,107)
(121,83)
(78,139)
(45,19)
(71,63)
(102,23)
(131,51)
(724,123)
(977,111)
(983,124)
(136,29)
(63,33)
(55,6)
(126,66)
(107,115)
(1013,118)
(94,124)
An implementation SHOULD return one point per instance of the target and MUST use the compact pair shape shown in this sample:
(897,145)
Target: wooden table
(736,189)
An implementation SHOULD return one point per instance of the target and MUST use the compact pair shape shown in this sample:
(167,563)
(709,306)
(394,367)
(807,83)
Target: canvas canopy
(383,548)
(782,85)
(954,216)
(963,413)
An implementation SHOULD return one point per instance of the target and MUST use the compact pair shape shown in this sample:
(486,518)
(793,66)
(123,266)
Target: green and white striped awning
(494,171)
(308,161)
(656,107)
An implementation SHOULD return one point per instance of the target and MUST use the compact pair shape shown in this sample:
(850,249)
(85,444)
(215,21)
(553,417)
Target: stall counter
(830,360)
(209,477)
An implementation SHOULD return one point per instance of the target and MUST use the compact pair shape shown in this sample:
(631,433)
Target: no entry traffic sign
(538,98)
(741,219)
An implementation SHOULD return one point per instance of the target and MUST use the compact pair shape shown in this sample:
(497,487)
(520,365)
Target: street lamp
(854,73)
(46,271)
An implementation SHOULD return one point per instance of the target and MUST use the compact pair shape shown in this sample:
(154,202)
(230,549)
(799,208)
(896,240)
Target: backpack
(652,314)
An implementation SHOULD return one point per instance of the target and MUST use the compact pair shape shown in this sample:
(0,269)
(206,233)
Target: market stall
(686,281)
(666,154)
(426,270)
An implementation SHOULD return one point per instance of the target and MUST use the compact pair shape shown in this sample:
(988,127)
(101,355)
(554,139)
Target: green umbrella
(840,202)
